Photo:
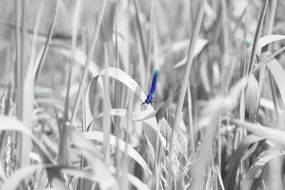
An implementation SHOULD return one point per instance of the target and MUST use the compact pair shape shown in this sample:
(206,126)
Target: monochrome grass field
(147,95)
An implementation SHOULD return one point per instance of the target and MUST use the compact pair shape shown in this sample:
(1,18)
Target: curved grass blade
(98,136)
(273,135)
(88,150)
(278,74)
(234,164)
(265,40)
(258,165)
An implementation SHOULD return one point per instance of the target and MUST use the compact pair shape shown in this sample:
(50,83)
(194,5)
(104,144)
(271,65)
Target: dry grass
(74,75)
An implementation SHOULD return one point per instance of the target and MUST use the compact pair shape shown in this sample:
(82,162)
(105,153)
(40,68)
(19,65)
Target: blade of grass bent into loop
(88,61)
(178,114)
(119,75)
(147,118)
(124,78)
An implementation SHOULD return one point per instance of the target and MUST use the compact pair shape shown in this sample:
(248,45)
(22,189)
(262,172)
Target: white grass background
(74,75)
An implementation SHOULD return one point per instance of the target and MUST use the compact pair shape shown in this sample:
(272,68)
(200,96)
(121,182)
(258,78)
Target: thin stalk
(273,93)
(18,60)
(106,103)
(192,130)
(64,132)
(151,37)
(220,178)
(256,36)
(93,43)
(47,43)
(118,103)
(269,22)
(140,32)
(178,114)
(124,180)
(23,147)
(18,78)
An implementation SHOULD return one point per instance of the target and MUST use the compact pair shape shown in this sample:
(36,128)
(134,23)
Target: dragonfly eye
(149,99)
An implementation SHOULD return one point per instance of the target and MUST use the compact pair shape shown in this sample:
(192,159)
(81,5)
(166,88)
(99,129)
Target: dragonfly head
(149,99)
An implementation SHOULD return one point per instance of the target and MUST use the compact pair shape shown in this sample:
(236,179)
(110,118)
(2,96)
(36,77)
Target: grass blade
(185,81)
(278,74)
(256,36)
(273,135)
(88,61)
(46,46)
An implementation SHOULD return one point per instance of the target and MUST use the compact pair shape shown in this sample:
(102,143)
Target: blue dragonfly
(150,97)
(162,109)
